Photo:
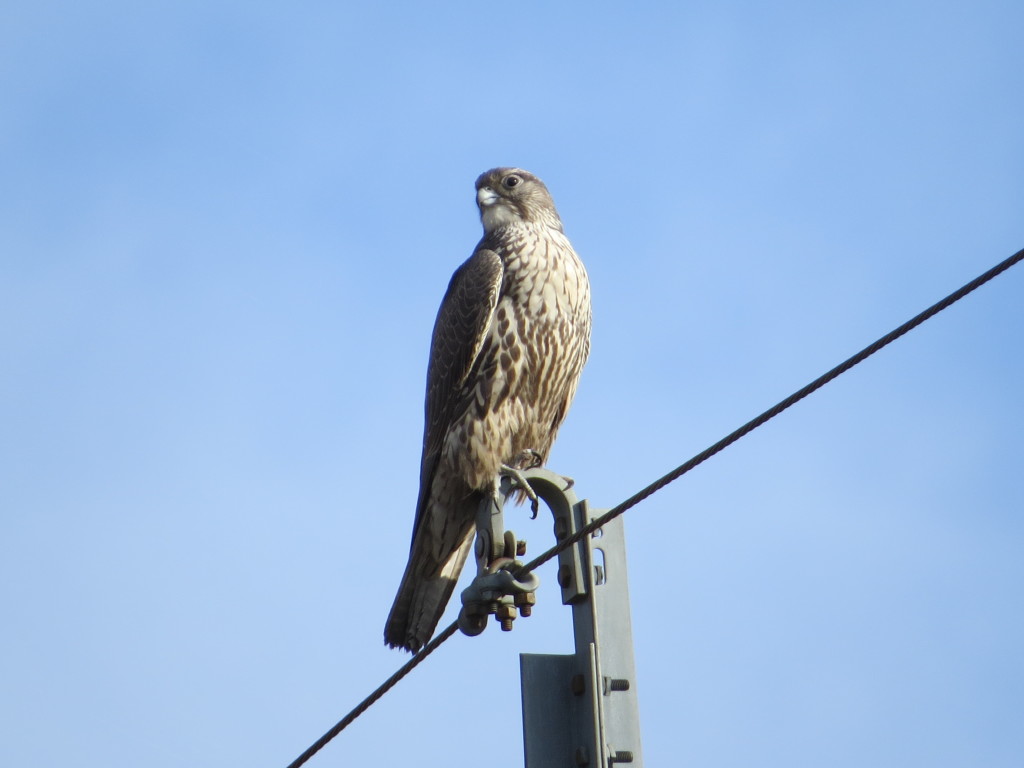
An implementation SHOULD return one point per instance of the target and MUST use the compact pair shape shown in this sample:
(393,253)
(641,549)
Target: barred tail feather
(421,600)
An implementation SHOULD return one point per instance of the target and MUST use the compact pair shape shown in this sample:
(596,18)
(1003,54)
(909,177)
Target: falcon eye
(511,181)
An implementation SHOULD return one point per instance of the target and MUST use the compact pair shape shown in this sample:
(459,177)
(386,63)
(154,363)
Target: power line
(370,700)
(774,411)
(672,476)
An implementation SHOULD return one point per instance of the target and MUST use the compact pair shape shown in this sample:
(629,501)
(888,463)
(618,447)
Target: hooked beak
(486,196)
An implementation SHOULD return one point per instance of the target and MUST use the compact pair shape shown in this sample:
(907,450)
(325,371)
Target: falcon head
(513,196)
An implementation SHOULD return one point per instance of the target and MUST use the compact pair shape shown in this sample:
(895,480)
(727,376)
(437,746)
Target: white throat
(497,215)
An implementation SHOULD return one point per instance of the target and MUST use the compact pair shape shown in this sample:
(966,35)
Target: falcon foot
(520,483)
(528,459)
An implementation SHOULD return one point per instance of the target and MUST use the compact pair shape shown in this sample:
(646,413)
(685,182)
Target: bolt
(615,684)
(582,757)
(561,528)
(520,548)
(576,685)
(564,576)
(506,614)
(623,756)
(525,602)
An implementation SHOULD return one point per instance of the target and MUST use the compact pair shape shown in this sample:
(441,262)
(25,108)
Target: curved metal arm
(495,590)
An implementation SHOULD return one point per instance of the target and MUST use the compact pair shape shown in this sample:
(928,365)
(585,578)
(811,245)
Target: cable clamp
(496,591)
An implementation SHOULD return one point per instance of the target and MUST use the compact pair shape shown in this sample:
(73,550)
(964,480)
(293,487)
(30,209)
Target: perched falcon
(510,341)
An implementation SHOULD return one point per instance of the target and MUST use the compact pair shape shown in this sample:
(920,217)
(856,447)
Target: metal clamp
(497,591)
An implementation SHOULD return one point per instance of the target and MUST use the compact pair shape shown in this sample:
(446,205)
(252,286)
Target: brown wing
(459,334)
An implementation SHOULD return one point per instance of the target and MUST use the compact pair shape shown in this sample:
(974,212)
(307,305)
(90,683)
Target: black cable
(384,687)
(772,412)
(657,485)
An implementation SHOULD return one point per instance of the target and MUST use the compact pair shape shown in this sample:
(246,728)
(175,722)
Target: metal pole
(581,709)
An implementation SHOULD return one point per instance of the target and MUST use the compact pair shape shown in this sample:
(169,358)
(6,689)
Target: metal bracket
(581,709)
(495,590)
(492,540)
(578,709)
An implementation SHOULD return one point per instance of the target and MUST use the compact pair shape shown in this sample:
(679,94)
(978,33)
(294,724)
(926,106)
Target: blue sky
(224,232)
